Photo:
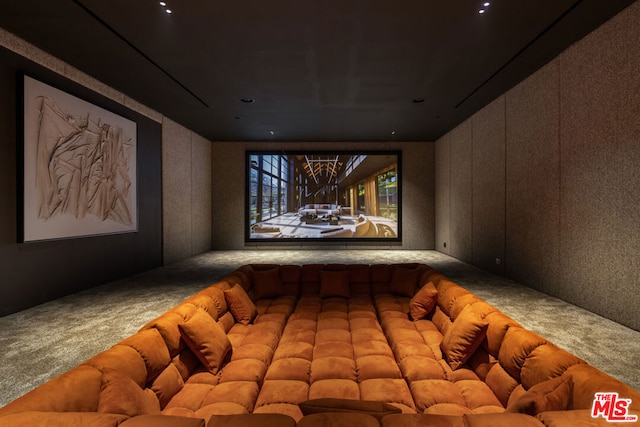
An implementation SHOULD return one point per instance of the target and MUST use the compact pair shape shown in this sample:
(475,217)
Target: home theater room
(301,213)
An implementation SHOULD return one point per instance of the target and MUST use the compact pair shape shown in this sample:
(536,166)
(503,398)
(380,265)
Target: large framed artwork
(79,167)
(323,196)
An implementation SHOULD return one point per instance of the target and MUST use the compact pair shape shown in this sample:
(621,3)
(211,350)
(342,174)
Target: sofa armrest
(577,417)
(587,381)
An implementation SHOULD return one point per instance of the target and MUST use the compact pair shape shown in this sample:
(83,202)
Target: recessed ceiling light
(481,11)
(486,4)
(247,100)
(417,100)
(393,132)
(163,4)
(169,11)
(272,132)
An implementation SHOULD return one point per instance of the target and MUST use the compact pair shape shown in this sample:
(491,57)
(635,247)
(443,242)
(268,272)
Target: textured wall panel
(200,194)
(461,231)
(228,188)
(443,194)
(533,180)
(418,194)
(489,186)
(600,157)
(176,191)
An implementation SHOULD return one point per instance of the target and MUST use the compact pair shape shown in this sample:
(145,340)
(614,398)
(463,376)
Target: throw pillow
(206,339)
(120,394)
(463,337)
(369,407)
(404,281)
(240,304)
(423,302)
(334,283)
(550,395)
(267,283)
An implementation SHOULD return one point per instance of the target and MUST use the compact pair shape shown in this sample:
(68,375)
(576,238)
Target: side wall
(186,192)
(545,179)
(34,273)
(229,181)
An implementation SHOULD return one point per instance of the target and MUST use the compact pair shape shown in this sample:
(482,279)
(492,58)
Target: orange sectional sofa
(389,345)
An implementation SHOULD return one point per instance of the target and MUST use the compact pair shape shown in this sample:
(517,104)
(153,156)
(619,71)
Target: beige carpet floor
(44,341)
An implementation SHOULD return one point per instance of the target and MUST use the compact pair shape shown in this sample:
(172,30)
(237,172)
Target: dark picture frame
(328,196)
(78,166)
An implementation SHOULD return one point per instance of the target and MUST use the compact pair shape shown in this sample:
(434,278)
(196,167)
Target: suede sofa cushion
(267,283)
(119,394)
(63,419)
(463,337)
(240,305)
(502,420)
(326,419)
(334,283)
(162,421)
(404,281)
(550,395)
(253,420)
(423,302)
(206,339)
(422,420)
(374,408)
(167,384)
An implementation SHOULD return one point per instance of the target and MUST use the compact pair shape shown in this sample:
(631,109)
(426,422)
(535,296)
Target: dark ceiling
(345,70)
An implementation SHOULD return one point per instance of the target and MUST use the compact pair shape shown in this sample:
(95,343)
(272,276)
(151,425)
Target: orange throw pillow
(240,305)
(550,395)
(423,302)
(463,337)
(206,339)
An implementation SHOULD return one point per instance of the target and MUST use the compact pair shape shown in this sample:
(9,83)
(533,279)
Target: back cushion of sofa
(290,276)
(499,323)
(588,380)
(545,362)
(380,278)
(216,293)
(310,279)
(153,350)
(360,282)
(448,292)
(122,358)
(205,302)
(242,275)
(404,280)
(168,326)
(517,345)
(77,390)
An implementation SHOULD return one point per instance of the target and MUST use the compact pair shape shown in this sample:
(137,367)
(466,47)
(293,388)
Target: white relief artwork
(79,168)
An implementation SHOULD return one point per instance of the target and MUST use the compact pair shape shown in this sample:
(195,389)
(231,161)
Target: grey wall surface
(33,273)
(461,191)
(418,217)
(488,187)
(443,194)
(186,190)
(565,145)
(174,181)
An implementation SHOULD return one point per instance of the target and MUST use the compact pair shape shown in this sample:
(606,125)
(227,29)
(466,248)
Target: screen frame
(394,239)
